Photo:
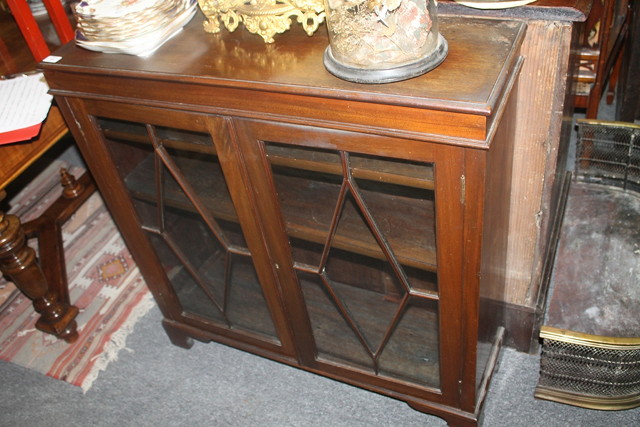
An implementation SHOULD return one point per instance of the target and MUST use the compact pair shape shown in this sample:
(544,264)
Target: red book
(18,135)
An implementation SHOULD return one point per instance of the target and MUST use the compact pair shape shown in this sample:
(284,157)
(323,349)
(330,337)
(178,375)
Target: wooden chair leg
(45,281)
(613,80)
(18,261)
(47,228)
(594,100)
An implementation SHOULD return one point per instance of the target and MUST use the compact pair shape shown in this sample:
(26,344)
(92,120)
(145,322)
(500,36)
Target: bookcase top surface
(481,56)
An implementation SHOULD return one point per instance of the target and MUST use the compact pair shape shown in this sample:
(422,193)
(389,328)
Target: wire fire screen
(599,367)
(608,153)
(589,371)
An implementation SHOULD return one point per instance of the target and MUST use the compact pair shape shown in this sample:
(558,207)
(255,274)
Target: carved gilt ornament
(263,17)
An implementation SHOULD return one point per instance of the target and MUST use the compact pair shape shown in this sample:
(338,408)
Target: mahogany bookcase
(349,230)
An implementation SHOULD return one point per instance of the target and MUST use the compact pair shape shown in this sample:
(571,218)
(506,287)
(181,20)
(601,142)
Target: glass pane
(193,297)
(362,232)
(412,352)
(362,277)
(247,307)
(404,211)
(181,197)
(308,184)
(395,171)
(328,323)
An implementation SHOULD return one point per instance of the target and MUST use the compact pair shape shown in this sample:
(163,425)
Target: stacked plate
(135,27)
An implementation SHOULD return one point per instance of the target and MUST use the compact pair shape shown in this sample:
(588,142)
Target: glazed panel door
(374,250)
(187,189)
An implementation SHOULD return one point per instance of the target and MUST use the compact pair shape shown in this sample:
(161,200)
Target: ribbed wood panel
(541,95)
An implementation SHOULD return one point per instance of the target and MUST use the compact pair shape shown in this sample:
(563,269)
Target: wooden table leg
(18,261)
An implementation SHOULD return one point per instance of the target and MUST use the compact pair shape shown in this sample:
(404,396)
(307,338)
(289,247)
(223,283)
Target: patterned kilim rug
(104,284)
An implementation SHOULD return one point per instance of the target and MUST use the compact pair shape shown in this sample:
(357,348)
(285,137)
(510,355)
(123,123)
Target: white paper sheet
(24,102)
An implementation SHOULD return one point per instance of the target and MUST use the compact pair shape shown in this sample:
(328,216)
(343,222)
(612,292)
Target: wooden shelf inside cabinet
(416,253)
(365,168)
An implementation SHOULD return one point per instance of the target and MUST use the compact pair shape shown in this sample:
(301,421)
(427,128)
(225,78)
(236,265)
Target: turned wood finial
(71,187)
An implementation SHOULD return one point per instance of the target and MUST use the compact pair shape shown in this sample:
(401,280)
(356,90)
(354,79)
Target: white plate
(145,44)
(113,8)
(493,4)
